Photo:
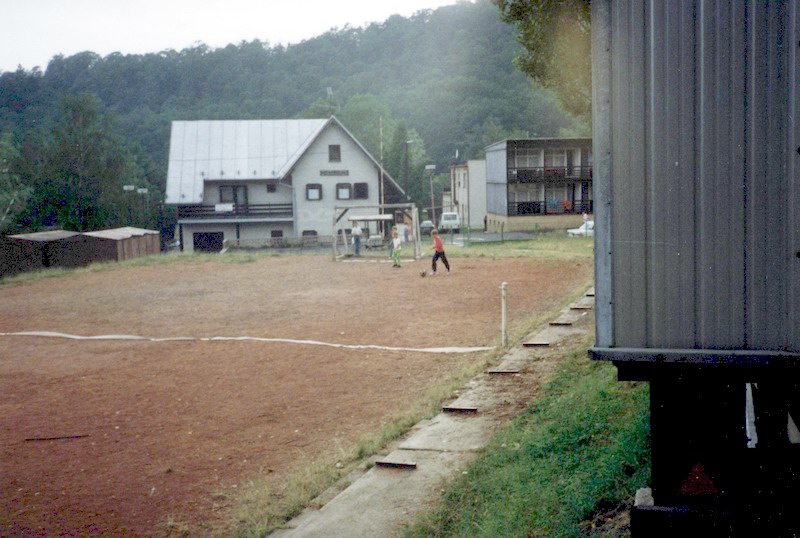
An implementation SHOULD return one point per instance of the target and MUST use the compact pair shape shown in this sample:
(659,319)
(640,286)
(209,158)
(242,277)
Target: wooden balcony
(231,211)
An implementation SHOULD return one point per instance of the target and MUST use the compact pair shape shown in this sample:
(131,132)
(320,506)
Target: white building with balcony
(266,180)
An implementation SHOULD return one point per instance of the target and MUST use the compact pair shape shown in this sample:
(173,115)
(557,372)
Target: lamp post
(431,168)
(405,167)
(129,188)
(145,207)
(146,196)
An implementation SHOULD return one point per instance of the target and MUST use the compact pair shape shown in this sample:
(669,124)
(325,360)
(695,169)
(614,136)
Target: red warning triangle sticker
(698,482)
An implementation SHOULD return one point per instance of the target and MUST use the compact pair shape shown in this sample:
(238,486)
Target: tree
(556,35)
(13,192)
(368,120)
(77,172)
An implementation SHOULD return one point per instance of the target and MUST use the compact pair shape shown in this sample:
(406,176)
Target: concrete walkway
(386,493)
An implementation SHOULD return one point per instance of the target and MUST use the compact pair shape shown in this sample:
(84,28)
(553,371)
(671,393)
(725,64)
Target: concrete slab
(584,303)
(382,501)
(568,317)
(505,369)
(452,433)
(484,396)
(551,336)
(513,362)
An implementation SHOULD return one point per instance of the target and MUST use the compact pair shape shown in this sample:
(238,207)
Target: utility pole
(431,168)
(382,195)
(405,168)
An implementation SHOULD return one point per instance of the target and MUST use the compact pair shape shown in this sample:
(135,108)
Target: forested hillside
(433,84)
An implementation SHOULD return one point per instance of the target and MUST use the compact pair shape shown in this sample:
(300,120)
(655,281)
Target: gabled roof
(52,235)
(237,150)
(120,233)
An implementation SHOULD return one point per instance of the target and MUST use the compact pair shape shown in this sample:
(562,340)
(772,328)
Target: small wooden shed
(121,244)
(32,251)
(61,248)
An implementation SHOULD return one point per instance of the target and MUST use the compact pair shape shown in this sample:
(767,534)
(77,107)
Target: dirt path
(152,432)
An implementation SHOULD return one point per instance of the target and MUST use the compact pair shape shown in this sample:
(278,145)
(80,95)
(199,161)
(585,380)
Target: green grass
(584,442)
(551,245)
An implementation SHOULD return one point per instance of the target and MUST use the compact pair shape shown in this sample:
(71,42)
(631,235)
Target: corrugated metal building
(696,176)
(697,212)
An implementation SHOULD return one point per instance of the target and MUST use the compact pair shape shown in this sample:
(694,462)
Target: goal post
(377,221)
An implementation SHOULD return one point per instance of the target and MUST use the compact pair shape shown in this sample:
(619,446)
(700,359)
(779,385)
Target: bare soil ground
(121,437)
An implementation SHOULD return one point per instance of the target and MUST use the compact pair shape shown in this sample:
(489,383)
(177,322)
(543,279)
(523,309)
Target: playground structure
(377,228)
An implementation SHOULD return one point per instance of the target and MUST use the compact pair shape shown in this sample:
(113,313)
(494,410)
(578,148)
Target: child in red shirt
(438,246)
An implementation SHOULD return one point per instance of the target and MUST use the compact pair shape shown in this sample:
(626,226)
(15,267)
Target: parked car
(449,221)
(425,227)
(585,229)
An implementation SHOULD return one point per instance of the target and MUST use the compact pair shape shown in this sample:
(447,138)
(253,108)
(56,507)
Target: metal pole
(504,316)
(431,168)
(433,206)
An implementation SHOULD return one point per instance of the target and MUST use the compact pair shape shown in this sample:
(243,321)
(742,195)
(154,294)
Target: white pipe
(504,317)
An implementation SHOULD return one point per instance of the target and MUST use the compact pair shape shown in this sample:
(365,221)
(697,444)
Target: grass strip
(583,444)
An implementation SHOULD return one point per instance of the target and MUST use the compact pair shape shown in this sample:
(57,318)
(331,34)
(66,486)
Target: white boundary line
(48,334)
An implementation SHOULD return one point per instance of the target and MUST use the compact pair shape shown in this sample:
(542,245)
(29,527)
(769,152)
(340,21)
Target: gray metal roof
(233,150)
(52,235)
(120,233)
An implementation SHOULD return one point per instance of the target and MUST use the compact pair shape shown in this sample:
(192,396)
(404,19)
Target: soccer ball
(423,274)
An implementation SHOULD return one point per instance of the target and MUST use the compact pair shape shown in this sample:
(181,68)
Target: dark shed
(697,233)
(60,248)
(121,244)
(28,252)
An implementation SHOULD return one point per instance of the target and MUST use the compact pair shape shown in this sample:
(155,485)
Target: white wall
(318,215)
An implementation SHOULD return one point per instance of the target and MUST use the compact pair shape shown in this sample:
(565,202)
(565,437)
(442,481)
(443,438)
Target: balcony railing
(549,173)
(551,207)
(230,211)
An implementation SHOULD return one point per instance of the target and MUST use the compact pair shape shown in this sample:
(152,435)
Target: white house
(468,185)
(266,180)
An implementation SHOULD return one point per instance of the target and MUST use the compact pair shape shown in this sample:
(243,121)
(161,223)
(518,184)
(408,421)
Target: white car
(585,229)
(449,222)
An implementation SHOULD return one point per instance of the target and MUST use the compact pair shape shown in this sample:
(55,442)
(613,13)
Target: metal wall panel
(697,192)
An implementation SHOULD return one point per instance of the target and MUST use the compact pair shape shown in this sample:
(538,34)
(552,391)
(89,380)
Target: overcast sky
(33,31)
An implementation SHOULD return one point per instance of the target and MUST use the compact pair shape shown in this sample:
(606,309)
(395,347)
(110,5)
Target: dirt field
(151,432)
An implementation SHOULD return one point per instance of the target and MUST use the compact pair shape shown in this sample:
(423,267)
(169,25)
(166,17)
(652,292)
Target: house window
(276,234)
(527,158)
(555,158)
(233,194)
(335,153)
(343,191)
(271,187)
(361,191)
(313,191)
(309,233)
